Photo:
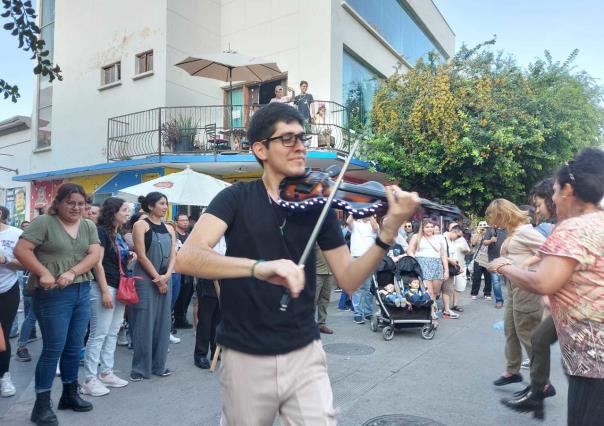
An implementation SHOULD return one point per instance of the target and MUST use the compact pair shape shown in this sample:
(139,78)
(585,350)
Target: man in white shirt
(362,238)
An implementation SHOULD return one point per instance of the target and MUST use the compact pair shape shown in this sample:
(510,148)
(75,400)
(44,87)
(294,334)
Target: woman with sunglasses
(59,249)
(571,273)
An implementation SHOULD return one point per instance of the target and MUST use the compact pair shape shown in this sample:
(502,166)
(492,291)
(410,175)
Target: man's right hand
(282,272)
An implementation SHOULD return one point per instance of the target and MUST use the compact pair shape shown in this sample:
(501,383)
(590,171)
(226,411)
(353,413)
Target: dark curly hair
(109,208)
(545,190)
(585,174)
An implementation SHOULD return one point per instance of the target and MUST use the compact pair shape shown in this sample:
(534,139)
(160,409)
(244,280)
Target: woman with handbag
(150,323)
(523,310)
(107,312)
(431,254)
(60,249)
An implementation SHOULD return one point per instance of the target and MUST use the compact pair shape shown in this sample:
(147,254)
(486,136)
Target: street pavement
(447,379)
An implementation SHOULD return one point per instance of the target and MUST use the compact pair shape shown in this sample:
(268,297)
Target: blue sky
(524,28)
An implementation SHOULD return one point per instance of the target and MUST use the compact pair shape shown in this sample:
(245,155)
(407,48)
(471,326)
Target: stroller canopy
(408,265)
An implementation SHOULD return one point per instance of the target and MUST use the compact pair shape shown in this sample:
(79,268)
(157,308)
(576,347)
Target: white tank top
(429,247)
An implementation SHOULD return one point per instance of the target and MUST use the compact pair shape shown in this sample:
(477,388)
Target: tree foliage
(480,126)
(20,19)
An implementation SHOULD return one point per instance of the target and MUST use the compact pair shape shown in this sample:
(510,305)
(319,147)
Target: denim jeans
(104,326)
(29,323)
(345,301)
(362,299)
(496,282)
(176,278)
(15,327)
(63,316)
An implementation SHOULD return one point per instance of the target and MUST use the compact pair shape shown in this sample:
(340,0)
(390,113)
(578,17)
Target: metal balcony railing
(210,129)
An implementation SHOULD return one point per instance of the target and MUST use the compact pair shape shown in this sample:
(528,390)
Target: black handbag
(453,269)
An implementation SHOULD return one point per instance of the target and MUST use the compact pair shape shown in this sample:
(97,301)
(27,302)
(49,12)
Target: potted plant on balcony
(179,134)
(187,130)
(170,135)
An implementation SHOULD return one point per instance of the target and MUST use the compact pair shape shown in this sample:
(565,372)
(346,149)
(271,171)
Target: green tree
(20,19)
(480,127)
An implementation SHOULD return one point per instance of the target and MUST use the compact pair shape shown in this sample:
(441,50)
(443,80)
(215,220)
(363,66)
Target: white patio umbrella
(185,188)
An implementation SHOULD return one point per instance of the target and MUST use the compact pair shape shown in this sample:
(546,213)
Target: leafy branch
(21,18)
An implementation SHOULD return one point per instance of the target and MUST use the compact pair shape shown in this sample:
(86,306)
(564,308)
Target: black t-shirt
(494,250)
(303,103)
(112,272)
(251,321)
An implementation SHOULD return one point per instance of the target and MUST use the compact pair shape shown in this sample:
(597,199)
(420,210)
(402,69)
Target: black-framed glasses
(289,139)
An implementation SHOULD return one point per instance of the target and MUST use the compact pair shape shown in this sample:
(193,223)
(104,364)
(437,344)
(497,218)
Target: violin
(311,190)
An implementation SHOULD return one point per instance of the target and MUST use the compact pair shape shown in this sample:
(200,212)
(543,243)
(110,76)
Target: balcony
(219,129)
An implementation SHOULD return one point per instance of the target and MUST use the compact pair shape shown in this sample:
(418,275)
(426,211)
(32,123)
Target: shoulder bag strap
(119,257)
(432,245)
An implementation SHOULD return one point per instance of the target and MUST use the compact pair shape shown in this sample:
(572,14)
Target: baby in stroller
(393,297)
(415,296)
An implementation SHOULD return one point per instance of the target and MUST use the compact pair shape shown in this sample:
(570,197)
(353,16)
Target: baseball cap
(483,224)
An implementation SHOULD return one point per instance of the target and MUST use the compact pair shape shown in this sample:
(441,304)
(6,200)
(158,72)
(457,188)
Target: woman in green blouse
(60,248)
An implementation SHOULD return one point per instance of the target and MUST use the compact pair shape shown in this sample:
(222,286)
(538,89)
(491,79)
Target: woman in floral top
(572,274)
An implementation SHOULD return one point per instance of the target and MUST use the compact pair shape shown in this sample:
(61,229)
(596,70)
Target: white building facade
(118,60)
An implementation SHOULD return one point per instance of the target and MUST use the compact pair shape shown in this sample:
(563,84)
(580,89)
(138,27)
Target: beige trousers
(522,316)
(294,386)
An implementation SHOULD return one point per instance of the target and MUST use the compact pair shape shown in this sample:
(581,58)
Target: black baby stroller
(392,317)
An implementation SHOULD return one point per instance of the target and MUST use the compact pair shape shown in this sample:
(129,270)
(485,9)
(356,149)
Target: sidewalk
(448,379)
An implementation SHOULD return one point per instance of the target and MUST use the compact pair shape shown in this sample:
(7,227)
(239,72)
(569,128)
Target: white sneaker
(526,364)
(110,380)
(122,337)
(6,386)
(174,339)
(94,387)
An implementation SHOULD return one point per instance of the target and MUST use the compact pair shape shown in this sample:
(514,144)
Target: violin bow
(315,232)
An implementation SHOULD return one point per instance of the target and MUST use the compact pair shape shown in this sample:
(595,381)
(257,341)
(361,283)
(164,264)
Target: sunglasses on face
(289,139)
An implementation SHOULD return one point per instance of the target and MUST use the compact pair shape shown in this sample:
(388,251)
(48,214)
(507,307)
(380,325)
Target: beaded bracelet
(254,267)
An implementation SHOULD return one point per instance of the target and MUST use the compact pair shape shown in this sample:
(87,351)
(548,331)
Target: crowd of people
(79,257)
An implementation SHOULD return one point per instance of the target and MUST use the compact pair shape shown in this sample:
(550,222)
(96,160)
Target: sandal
(457,308)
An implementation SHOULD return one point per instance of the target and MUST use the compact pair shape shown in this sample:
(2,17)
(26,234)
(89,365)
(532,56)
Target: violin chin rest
(333,170)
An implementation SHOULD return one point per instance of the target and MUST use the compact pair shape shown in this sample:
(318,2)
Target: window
(144,62)
(396,24)
(44,99)
(359,86)
(111,74)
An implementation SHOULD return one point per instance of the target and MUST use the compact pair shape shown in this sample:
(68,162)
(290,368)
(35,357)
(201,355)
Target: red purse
(126,291)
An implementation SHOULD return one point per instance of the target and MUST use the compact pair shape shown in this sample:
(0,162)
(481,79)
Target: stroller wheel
(374,323)
(388,332)
(428,331)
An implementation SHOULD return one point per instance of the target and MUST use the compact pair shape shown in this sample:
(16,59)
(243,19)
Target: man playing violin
(273,363)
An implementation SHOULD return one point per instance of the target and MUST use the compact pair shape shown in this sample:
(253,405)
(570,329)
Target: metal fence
(211,129)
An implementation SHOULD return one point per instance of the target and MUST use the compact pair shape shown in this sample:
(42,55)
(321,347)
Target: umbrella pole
(231,106)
